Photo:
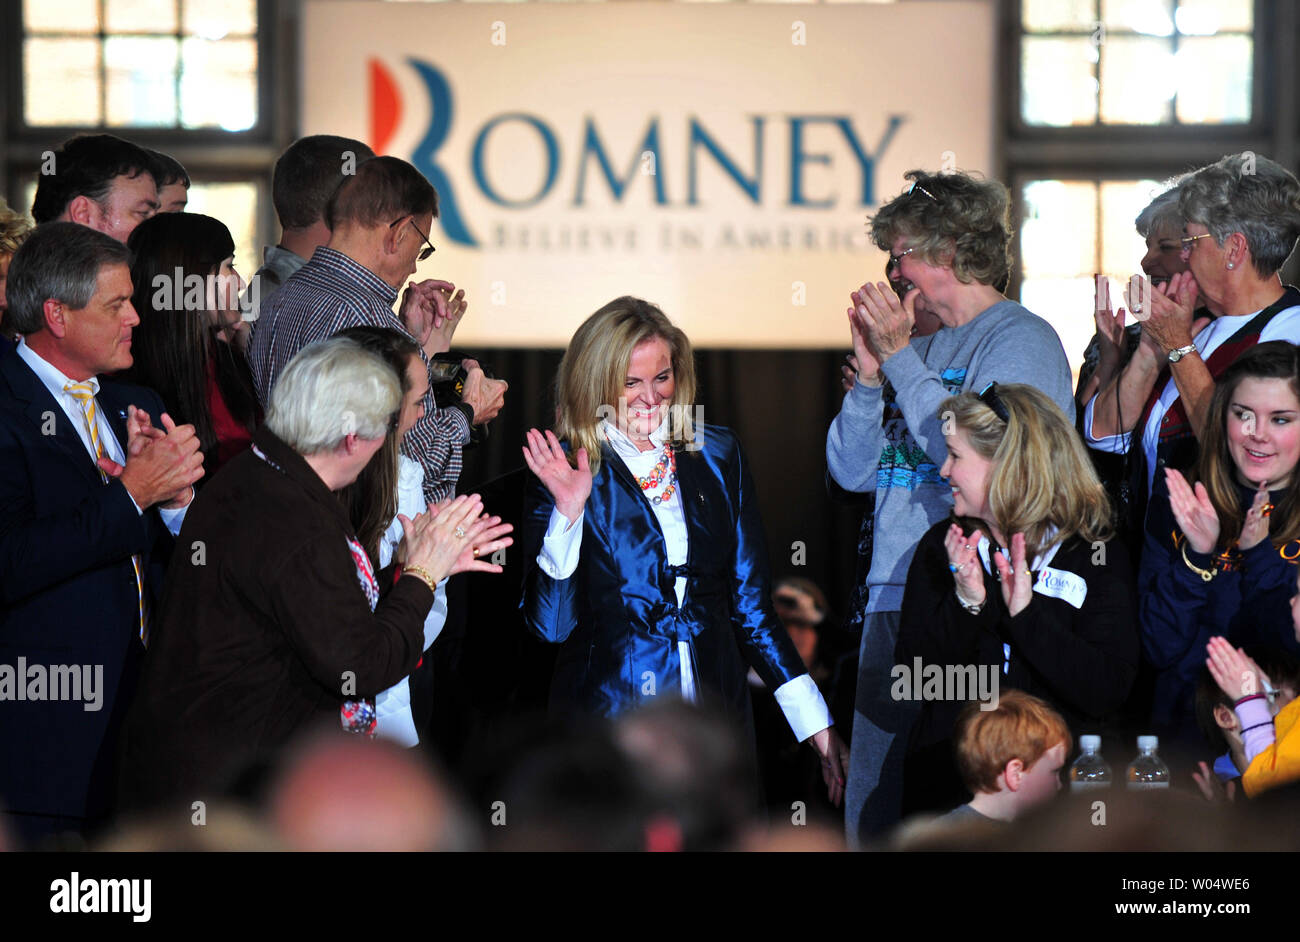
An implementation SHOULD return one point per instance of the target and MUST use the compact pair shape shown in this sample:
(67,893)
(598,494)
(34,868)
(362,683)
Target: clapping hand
(888,322)
(157,459)
(1255,529)
(428,306)
(1167,318)
(569,486)
(1193,512)
(453,537)
(849,371)
(965,566)
(868,363)
(1016,579)
(1110,326)
(1211,788)
(1236,674)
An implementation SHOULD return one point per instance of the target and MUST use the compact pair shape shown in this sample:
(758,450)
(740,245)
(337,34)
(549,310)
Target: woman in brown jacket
(273,621)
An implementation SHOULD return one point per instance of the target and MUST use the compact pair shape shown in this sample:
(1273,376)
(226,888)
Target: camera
(447,378)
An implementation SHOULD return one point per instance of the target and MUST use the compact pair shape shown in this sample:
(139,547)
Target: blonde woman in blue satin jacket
(643,544)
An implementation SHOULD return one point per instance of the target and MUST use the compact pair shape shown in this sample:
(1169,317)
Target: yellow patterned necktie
(84,393)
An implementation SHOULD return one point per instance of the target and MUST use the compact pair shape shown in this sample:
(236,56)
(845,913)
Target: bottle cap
(1089,743)
(1148,742)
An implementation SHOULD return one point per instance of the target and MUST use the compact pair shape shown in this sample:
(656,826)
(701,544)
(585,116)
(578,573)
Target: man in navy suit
(89,489)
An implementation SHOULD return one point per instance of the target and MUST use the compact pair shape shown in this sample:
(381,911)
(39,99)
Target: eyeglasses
(991,399)
(1188,242)
(424,253)
(896,260)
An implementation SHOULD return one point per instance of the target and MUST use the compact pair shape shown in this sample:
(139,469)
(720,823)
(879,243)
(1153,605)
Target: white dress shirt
(54,380)
(800,700)
(393,706)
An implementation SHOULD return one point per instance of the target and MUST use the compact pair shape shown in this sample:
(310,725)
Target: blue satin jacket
(617,615)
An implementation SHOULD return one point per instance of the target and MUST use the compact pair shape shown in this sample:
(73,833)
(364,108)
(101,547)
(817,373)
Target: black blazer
(68,595)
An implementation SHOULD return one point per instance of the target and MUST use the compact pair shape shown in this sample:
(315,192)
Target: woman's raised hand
(888,322)
(1017,581)
(454,537)
(1193,512)
(569,486)
(1255,529)
(964,563)
(868,364)
(1236,673)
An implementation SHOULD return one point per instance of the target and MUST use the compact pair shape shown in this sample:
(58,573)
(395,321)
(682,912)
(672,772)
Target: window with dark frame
(1136,62)
(181,64)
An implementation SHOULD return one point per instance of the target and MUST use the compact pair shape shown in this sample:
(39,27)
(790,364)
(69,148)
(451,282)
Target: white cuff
(561,546)
(172,519)
(803,706)
(437,617)
(1115,444)
(394,720)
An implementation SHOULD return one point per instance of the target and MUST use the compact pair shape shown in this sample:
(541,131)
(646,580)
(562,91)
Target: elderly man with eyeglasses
(379,220)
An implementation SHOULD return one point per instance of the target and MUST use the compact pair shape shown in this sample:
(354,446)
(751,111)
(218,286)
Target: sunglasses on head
(991,399)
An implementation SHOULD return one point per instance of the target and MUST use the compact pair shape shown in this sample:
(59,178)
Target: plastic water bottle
(1148,770)
(1090,770)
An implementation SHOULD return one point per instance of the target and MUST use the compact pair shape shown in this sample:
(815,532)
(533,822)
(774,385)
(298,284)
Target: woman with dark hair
(1220,551)
(393,484)
(187,296)
(644,551)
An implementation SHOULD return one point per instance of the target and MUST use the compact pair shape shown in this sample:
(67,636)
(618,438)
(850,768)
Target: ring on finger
(460,533)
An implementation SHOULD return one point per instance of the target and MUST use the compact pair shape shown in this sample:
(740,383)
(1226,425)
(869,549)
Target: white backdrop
(583,149)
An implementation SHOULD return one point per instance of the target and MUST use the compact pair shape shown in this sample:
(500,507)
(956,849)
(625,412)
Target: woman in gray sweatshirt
(948,236)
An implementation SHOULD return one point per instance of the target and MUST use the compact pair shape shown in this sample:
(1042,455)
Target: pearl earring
(1230,265)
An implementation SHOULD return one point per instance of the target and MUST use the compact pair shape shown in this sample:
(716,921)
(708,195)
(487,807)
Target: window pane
(140,16)
(1153,17)
(1205,17)
(219,84)
(1060,220)
(235,204)
(141,81)
(1051,15)
(1058,248)
(1121,247)
(1138,80)
(67,16)
(216,19)
(61,82)
(1057,86)
(1214,76)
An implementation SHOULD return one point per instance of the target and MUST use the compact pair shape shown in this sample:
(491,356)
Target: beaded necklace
(666,468)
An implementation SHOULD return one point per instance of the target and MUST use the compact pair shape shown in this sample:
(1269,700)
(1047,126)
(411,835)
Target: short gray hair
(329,390)
(58,261)
(1252,195)
(1162,213)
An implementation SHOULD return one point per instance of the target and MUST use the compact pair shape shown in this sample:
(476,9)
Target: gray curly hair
(1249,194)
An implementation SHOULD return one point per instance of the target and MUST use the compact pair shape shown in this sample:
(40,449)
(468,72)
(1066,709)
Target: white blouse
(393,706)
(799,699)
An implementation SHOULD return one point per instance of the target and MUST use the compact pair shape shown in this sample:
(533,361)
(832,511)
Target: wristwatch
(1176,355)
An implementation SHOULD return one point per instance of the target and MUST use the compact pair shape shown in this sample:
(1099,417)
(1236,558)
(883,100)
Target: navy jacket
(617,615)
(68,593)
(1180,612)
